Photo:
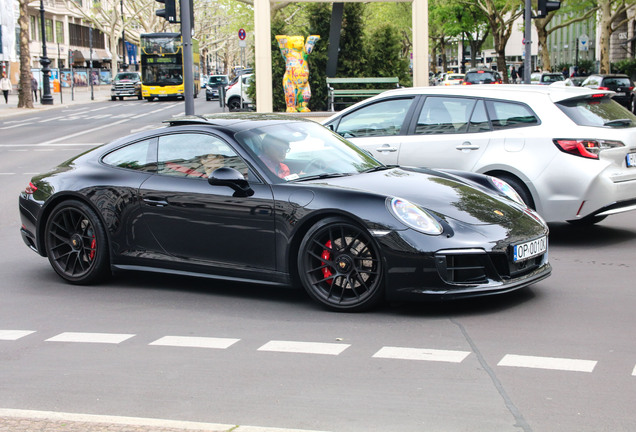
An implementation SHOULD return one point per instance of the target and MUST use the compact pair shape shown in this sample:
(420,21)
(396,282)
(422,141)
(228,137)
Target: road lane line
(421,354)
(84,132)
(99,109)
(554,363)
(195,342)
(17,125)
(112,338)
(51,119)
(304,347)
(14,334)
(634,371)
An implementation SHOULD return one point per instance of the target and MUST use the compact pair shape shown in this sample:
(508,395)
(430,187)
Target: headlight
(507,190)
(415,217)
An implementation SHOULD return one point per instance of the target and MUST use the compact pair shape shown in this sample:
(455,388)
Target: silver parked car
(569,152)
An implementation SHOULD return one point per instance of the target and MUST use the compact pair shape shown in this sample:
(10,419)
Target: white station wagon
(569,152)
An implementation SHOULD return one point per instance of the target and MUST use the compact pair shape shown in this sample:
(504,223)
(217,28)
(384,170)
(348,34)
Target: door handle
(467,146)
(156,202)
(386,148)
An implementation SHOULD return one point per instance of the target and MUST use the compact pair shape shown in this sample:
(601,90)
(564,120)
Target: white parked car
(453,79)
(236,97)
(569,152)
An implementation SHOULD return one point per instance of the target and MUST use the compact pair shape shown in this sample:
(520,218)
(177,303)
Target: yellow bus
(162,66)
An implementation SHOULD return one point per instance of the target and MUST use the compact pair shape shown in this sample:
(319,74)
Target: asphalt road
(557,356)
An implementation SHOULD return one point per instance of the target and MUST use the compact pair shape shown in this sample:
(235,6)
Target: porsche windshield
(301,150)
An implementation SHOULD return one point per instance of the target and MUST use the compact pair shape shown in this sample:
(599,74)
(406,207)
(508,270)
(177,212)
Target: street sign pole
(527,63)
(188,74)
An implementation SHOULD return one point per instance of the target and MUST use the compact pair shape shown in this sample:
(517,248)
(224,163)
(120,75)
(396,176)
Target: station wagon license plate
(631,159)
(530,249)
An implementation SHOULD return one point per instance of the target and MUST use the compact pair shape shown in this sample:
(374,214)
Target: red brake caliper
(326,255)
(91,255)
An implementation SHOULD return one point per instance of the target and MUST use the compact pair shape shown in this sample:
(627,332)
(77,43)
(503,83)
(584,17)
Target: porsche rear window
(597,111)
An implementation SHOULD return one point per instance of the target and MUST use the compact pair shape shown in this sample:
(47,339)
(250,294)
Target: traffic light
(169,13)
(546,6)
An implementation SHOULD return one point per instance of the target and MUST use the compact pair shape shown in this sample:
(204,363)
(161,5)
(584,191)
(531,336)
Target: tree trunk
(544,52)
(25,97)
(605,25)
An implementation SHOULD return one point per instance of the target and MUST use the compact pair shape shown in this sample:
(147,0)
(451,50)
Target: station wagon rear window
(597,111)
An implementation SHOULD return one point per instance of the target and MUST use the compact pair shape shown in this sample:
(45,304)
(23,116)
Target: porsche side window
(382,118)
(479,119)
(137,156)
(195,155)
(444,115)
(506,115)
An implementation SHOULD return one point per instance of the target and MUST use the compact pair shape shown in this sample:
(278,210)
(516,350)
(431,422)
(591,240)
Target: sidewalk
(46,421)
(79,95)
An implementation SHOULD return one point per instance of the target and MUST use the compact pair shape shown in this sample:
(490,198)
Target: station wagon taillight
(585,148)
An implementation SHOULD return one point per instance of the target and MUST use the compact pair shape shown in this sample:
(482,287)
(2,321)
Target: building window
(34,28)
(49,29)
(59,32)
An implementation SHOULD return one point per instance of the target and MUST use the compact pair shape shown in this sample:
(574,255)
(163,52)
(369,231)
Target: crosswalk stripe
(14,334)
(304,347)
(554,363)
(195,342)
(111,338)
(421,354)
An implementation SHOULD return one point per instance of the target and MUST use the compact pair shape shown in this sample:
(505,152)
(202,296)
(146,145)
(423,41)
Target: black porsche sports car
(276,200)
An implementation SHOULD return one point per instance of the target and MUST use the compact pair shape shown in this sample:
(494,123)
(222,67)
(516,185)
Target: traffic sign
(584,42)
(242,34)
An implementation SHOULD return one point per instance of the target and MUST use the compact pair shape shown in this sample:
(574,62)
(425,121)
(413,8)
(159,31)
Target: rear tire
(76,243)
(121,98)
(234,104)
(113,98)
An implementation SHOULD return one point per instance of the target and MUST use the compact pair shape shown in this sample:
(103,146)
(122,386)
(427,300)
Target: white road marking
(634,371)
(195,342)
(7,173)
(138,421)
(304,347)
(422,354)
(51,119)
(554,363)
(84,132)
(14,334)
(145,128)
(111,338)
(17,125)
(99,109)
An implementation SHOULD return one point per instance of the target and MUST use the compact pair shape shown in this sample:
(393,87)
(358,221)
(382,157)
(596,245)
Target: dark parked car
(209,196)
(482,76)
(215,82)
(619,83)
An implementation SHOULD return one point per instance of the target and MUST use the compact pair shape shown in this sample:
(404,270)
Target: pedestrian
(5,85)
(34,88)
(565,72)
(513,74)
(521,76)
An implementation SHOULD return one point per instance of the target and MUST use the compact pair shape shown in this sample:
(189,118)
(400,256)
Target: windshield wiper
(618,122)
(379,168)
(322,176)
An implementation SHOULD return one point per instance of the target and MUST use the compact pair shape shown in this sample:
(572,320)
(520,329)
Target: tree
(25,96)
(612,15)
(501,16)
(576,10)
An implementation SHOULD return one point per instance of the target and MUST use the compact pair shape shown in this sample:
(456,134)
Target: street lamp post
(46,98)
(123,37)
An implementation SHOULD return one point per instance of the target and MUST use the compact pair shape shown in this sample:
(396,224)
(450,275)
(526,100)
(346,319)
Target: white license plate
(620,94)
(530,249)
(631,159)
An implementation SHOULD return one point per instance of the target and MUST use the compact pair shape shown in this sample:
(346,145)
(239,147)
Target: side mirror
(232,178)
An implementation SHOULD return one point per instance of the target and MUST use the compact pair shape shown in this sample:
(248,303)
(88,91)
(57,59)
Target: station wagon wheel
(76,243)
(520,188)
(340,266)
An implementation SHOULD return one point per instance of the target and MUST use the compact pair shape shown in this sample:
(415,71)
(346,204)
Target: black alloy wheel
(76,243)
(340,266)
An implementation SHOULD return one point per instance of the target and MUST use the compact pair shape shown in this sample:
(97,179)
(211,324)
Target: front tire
(76,243)
(340,266)
(234,104)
